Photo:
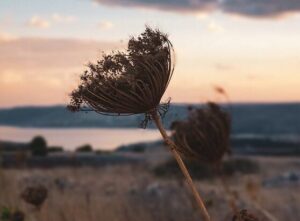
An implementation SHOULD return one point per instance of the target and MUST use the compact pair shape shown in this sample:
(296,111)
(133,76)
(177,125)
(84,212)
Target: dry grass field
(134,193)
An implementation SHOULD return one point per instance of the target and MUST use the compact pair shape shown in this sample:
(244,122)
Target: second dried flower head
(205,135)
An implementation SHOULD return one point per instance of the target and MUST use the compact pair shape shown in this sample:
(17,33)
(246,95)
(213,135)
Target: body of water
(99,138)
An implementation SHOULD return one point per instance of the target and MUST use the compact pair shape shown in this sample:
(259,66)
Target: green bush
(84,148)
(38,146)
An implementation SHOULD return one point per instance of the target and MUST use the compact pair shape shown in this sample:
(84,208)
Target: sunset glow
(254,55)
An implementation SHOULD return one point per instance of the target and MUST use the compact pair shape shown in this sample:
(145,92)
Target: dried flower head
(130,82)
(204,135)
(244,215)
(35,195)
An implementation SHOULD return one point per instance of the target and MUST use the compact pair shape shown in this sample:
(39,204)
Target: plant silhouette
(133,82)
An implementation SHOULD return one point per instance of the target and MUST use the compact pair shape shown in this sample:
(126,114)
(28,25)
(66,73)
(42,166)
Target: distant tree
(38,146)
(84,148)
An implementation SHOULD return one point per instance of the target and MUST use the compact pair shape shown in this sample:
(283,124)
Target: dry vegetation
(133,82)
(126,193)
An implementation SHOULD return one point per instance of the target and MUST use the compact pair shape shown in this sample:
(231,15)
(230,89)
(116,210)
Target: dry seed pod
(130,82)
(204,135)
(35,195)
(244,215)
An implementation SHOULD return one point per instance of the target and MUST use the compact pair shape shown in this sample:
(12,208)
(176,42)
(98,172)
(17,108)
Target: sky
(251,48)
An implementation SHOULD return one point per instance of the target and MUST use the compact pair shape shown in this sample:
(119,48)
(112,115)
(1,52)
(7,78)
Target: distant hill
(262,119)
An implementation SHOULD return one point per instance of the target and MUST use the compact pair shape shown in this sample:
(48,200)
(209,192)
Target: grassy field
(134,193)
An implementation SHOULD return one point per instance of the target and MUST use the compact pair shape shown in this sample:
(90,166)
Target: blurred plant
(253,191)
(244,215)
(220,90)
(55,149)
(35,195)
(205,135)
(133,82)
(38,146)
(84,148)
(7,214)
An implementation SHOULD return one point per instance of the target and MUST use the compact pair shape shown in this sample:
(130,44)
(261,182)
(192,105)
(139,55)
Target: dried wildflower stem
(172,146)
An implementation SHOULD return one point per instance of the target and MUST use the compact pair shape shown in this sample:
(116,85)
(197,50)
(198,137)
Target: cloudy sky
(249,47)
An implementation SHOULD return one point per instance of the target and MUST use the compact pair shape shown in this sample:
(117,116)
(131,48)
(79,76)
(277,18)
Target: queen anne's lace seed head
(130,82)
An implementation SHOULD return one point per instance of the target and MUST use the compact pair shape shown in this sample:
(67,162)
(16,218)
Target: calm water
(100,138)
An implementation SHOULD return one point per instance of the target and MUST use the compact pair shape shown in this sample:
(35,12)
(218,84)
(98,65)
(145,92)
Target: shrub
(55,149)
(38,146)
(84,148)
(103,152)
(137,148)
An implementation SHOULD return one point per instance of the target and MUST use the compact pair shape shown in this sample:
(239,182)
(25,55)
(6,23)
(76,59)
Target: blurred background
(241,54)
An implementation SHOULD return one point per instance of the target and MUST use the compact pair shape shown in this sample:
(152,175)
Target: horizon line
(175,103)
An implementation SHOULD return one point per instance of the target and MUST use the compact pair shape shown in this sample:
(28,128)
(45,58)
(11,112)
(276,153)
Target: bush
(103,152)
(38,146)
(136,148)
(84,148)
(55,149)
